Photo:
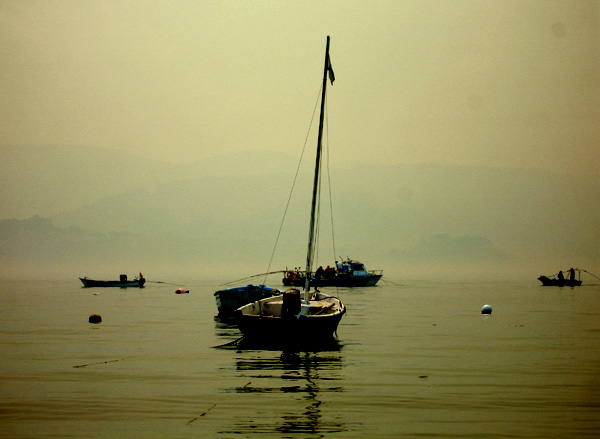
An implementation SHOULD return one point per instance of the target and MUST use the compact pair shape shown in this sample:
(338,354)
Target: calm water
(412,360)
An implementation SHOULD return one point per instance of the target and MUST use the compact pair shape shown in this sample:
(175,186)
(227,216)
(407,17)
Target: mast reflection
(298,384)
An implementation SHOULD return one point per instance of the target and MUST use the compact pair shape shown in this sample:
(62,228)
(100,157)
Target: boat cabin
(358,269)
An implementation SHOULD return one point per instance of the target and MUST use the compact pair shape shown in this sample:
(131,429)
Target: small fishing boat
(558,280)
(138,282)
(230,299)
(347,273)
(555,282)
(287,317)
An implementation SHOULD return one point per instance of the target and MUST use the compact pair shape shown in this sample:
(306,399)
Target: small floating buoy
(486,309)
(95,318)
(182,291)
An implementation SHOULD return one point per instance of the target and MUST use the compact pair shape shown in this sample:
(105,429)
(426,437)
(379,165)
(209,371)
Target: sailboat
(316,316)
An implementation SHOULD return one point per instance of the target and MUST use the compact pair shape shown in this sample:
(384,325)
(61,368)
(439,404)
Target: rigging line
(231,343)
(159,282)
(319,193)
(293,184)
(329,190)
(252,277)
(318,215)
(317,221)
(329,181)
(314,249)
(585,271)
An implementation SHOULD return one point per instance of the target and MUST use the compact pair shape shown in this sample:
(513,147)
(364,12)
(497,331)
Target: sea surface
(415,360)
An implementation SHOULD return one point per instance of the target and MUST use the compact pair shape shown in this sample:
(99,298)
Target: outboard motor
(291,303)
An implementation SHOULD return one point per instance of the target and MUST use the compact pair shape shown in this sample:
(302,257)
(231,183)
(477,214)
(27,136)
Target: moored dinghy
(230,299)
(289,318)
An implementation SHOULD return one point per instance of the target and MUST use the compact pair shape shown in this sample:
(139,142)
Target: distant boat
(348,273)
(230,299)
(559,280)
(287,317)
(121,283)
(555,282)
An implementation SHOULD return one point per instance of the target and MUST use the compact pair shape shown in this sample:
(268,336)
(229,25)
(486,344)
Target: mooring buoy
(486,309)
(95,318)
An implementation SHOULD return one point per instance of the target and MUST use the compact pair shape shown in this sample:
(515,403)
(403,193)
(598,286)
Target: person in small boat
(572,274)
(561,277)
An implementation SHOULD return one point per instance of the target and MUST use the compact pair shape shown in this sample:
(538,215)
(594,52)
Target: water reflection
(305,381)
(226,327)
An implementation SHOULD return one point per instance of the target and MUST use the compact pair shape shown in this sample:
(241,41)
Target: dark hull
(306,330)
(231,299)
(348,281)
(548,282)
(89,283)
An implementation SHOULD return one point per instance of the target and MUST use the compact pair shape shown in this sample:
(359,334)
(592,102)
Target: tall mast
(312,231)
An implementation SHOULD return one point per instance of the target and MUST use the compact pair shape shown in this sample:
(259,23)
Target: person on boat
(319,273)
(318,276)
(561,277)
(572,274)
(329,273)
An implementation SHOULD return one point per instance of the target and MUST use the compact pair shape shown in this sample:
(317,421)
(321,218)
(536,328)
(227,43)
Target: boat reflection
(302,382)
(226,328)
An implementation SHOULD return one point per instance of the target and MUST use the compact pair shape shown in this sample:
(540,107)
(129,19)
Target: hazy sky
(498,83)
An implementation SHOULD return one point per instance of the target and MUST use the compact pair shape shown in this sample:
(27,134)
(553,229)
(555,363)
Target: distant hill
(225,213)
(52,180)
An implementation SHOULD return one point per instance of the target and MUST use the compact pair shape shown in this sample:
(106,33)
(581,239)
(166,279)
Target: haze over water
(416,359)
(462,137)
(163,137)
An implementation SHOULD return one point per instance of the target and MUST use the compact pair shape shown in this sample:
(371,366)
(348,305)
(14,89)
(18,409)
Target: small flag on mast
(330,70)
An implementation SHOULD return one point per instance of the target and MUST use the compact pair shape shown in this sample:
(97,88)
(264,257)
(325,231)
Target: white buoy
(486,309)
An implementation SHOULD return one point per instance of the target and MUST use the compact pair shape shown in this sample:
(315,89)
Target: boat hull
(91,283)
(348,281)
(554,282)
(312,328)
(232,298)
(305,329)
